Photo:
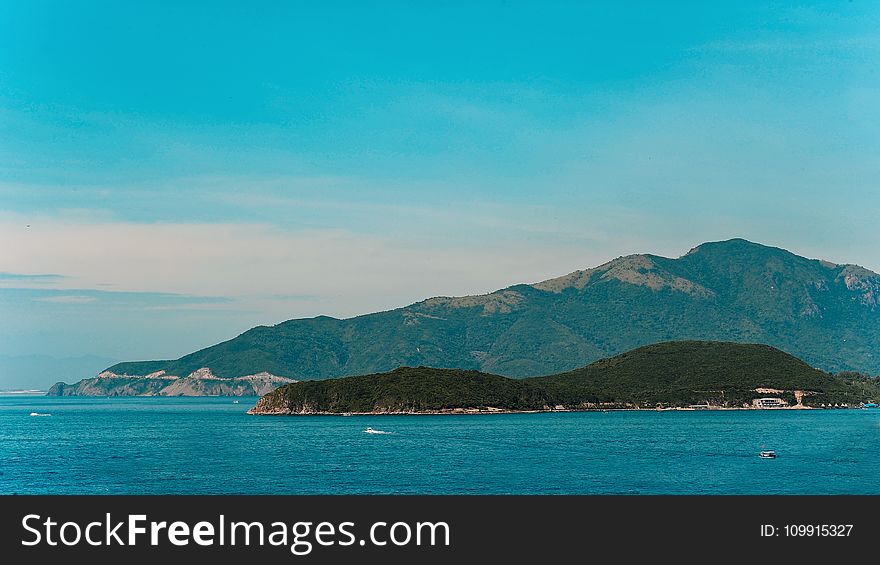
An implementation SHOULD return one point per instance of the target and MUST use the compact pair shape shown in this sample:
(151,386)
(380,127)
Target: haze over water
(210,446)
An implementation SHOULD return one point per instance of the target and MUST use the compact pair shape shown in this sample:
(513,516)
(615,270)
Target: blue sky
(187,170)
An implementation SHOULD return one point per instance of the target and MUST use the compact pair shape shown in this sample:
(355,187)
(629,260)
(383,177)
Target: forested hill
(671,374)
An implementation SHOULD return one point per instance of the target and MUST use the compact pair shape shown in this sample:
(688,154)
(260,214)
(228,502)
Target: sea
(142,445)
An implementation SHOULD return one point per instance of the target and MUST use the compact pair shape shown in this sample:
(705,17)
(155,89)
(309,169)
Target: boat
(370,430)
(39,414)
(235,401)
(767,454)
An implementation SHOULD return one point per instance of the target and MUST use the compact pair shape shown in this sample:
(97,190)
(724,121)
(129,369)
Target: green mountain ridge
(738,291)
(671,374)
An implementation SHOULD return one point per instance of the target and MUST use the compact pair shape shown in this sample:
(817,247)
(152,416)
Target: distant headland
(197,383)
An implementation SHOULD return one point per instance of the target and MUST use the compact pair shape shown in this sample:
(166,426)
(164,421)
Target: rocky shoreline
(257,411)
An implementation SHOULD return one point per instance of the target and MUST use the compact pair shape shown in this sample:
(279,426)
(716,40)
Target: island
(669,375)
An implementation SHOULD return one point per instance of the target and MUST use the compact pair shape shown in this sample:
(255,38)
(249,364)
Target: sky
(174,173)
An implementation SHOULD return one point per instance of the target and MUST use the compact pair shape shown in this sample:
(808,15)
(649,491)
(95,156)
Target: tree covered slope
(667,374)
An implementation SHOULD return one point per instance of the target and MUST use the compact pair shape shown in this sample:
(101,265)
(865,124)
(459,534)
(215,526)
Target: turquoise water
(210,446)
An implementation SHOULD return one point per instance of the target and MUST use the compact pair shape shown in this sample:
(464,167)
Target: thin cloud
(20,277)
(68,299)
(788,45)
(298,269)
(115,300)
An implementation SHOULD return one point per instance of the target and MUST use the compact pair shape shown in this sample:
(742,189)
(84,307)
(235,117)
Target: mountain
(672,374)
(825,313)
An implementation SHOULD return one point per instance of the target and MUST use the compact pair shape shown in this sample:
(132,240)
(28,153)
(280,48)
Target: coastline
(494,411)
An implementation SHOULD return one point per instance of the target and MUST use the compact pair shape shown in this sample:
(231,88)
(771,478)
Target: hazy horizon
(170,178)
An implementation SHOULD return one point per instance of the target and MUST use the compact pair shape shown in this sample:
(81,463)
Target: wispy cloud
(112,299)
(789,45)
(68,299)
(33,279)
(282,272)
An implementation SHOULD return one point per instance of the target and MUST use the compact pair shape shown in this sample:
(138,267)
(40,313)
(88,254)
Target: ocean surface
(210,446)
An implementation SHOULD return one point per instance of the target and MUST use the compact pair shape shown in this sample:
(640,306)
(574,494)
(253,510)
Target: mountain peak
(735,245)
(639,270)
(738,247)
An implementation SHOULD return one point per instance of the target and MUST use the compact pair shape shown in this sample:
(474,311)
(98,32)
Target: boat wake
(39,414)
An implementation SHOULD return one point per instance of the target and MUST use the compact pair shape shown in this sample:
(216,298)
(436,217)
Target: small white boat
(370,430)
(39,414)
(767,454)
(235,401)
